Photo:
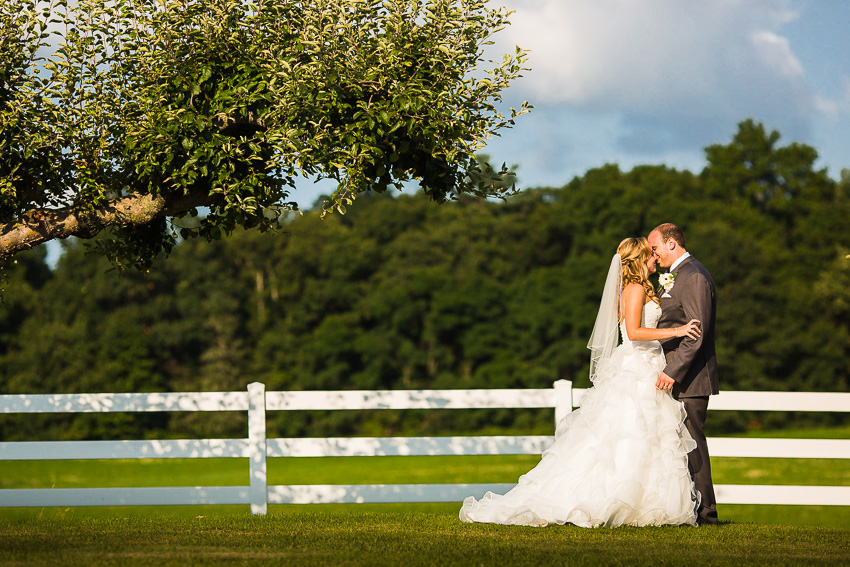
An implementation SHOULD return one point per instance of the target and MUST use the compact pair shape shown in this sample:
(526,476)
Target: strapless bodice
(649,317)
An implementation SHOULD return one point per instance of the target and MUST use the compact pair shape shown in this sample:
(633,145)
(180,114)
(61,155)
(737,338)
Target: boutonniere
(667,280)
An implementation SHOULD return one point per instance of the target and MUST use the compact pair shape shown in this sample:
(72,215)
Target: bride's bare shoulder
(635,292)
(633,289)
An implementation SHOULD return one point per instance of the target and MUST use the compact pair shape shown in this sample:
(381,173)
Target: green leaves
(219,103)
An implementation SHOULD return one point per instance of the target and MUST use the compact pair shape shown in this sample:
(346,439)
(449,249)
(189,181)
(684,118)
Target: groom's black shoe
(707,516)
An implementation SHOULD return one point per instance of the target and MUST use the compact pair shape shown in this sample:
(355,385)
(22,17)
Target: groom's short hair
(669,230)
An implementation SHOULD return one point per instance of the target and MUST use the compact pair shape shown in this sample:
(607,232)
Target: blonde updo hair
(634,253)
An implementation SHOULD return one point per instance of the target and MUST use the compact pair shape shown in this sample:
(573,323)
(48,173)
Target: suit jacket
(691,363)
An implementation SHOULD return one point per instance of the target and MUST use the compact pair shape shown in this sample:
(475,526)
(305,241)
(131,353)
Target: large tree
(129,114)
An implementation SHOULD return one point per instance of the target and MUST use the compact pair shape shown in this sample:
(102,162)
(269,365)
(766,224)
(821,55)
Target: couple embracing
(634,453)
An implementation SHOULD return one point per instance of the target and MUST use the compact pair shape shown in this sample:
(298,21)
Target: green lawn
(368,470)
(837,432)
(398,536)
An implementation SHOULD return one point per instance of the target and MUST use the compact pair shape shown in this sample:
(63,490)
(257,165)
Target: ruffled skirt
(620,459)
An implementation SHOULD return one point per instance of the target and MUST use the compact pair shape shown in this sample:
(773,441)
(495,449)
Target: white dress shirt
(678,261)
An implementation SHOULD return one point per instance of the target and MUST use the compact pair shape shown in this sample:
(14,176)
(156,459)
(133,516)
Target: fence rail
(257,448)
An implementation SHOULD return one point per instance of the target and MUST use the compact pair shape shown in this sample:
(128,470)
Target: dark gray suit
(693,365)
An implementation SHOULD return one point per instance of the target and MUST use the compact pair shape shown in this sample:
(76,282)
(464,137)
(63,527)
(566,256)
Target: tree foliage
(130,113)
(473,294)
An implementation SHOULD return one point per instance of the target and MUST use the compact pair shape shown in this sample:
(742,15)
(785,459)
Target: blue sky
(655,81)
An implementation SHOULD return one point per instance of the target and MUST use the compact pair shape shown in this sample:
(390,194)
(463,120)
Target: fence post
(563,399)
(257,447)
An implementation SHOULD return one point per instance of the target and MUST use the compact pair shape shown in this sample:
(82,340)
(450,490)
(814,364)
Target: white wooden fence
(256,448)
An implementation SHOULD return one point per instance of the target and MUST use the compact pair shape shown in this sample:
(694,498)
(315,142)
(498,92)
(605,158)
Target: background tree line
(401,294)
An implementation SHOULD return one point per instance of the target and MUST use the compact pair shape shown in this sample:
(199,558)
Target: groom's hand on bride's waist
(664,382)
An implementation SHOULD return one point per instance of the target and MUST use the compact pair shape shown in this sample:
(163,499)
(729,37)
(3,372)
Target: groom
(691,370)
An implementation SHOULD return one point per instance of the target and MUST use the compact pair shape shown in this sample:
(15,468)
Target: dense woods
(400,293)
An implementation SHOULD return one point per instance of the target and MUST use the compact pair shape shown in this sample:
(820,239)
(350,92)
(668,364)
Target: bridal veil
(605,335)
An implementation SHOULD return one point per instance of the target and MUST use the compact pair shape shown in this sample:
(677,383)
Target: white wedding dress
(621,458)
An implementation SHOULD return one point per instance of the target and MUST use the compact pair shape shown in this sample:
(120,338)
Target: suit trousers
(698,460)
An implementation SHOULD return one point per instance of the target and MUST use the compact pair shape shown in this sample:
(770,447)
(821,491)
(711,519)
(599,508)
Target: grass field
(394,536)
(398,534)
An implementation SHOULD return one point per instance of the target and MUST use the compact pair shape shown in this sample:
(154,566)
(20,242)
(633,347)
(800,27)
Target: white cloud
(775,52)
(834,108)
(828,107)
(683,70)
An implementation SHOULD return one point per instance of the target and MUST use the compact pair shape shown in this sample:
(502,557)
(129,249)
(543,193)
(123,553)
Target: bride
(622,458)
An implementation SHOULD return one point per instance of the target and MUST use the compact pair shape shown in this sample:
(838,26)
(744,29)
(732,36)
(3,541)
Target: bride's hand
(690,330)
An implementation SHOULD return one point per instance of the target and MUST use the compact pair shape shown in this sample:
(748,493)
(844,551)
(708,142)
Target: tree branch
(38,226)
